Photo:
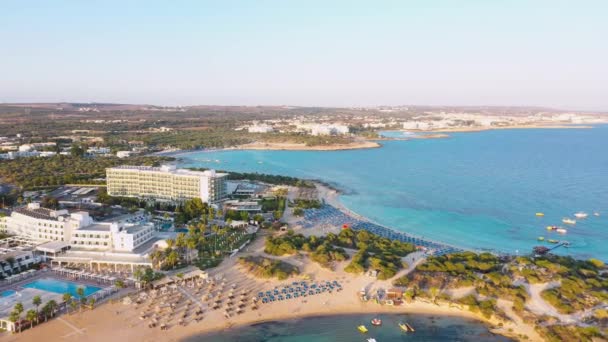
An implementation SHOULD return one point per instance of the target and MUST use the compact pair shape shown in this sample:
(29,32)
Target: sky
(307,53)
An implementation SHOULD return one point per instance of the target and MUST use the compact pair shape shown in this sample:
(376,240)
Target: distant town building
(123,154)
(332,129)
(418,125)
(98,150)
(260,128)
(166,183)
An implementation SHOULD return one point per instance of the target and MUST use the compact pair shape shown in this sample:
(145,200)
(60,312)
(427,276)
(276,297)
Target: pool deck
(41,274)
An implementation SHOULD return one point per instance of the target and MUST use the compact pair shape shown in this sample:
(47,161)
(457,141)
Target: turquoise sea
(344,328)
(473,190)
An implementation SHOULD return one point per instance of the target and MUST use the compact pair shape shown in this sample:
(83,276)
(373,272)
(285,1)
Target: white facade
(115,236)
(166,183)
(419,125)
(123,154)
(322,129)
(41,224)
(98,150)
(261,128)
(78,229)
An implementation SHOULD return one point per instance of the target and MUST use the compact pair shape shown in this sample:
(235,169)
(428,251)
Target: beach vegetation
(306,204)
(266,268)
(486,307)
(559,333)
(320,249)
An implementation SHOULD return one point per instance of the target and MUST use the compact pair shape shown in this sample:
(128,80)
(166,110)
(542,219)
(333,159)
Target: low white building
(331,129)
(98,150)
(78,229)
(260,128)
(417,125)
(115,236)
(123,154)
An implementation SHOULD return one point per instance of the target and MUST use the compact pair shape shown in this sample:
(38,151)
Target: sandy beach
(121,322)
(360,144)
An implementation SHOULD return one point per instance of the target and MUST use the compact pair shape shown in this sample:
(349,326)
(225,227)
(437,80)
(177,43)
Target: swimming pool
(7,293)
(61,286)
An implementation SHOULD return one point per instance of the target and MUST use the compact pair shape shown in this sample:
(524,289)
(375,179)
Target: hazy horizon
(322,54)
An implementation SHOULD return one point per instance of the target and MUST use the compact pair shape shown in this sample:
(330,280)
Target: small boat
(596,214)
(552,227)
(561,230)
(376,321)
(403,327)
(552,241)
(581,215)
(371,340)
(568,220)
(541,238)
(540,214)
(362,328)
(410,327)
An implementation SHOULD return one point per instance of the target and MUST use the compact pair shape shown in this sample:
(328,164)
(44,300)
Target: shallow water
(473,190)
(344,328)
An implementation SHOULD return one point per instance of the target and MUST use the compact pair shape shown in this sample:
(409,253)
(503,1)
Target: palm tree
(156,257)
(172,259)
(36,301)
(31,316)
(52,306)
(91,302)
(191,244)
(46,311)
(80,293)
(18,308)
(15,317)
(66,299)
(73,305)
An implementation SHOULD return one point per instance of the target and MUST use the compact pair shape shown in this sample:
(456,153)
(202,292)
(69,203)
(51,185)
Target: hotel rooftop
(169,169)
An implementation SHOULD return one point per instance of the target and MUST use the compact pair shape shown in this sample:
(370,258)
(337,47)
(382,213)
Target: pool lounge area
(48,286)
(61,286)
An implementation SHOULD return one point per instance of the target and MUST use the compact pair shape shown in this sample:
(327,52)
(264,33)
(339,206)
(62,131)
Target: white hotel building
(77,229)
(166,183)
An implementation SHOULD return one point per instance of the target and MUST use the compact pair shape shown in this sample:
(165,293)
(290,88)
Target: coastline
(119,321)
(364,143)
(480,129)
(356,145)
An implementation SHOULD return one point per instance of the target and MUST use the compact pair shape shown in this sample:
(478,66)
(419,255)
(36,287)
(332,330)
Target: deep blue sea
(344,328)
(473,190)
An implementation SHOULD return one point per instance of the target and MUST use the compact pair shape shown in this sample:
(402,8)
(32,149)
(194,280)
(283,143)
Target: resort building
(42,224)
(166,183)
(77,229)
(248,206)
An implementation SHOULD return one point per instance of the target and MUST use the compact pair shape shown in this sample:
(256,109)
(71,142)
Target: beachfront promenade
(329,216)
